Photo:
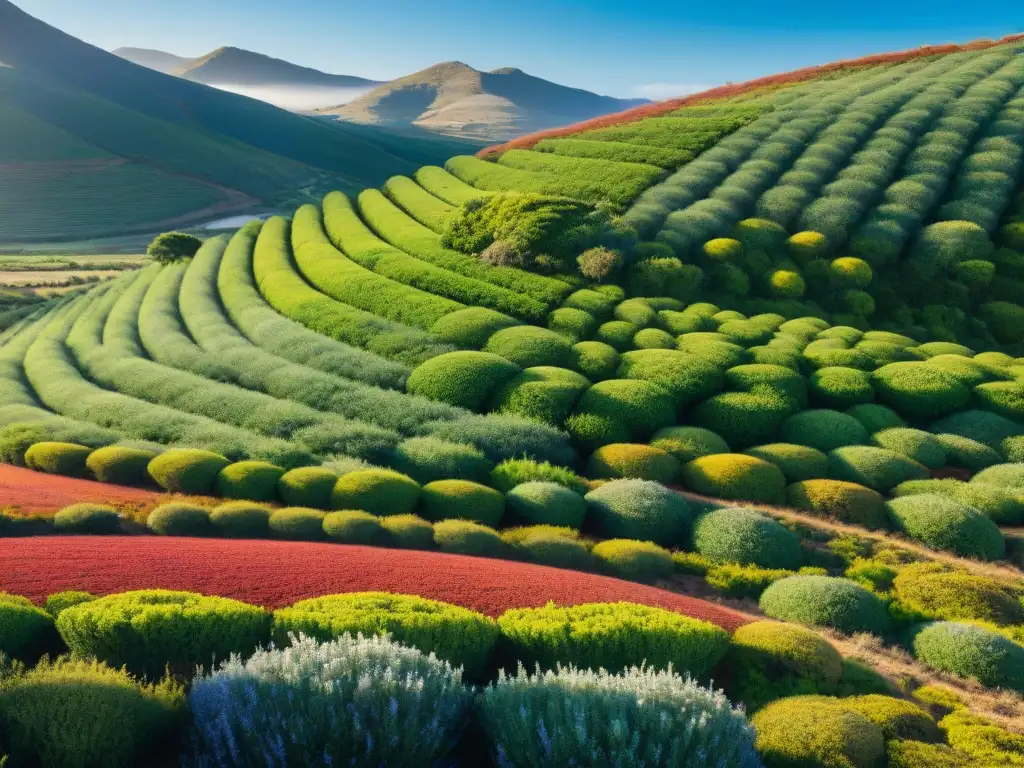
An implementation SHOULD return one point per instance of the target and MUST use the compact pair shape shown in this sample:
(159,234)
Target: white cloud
(661,91)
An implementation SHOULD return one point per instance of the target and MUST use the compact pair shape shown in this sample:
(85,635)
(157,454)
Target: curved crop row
(444,186)
(428,210)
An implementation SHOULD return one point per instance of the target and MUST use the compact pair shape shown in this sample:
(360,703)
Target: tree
(173,246)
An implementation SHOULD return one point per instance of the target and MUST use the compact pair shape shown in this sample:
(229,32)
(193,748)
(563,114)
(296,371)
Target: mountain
(161,61)
(235,66)
(455,99)
(116,148)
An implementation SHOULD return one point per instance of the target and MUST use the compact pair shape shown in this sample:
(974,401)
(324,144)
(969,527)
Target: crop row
(442,185)
(428,210)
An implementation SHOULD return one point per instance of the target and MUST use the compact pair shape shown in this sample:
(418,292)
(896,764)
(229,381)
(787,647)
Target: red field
(277,573)
(36,492)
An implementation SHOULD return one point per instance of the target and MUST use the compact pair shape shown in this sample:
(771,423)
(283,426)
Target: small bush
(178,519)
(973,652)
(918,754)
(83,713)
(544,393)
(378,491)
(308,701)
(723,249)
(25,630)
(241,520)
(546,503)
(847,502)
(249,480)
(463,500)
(456,635)
(898,718)
(768,660)
(738,535)
(58,459)
(595,360)
(352,527)
(617,334)
(513,472)
(1005,320)
(629,460)
(1002,506)
(688,443)
(982,740)
(840,388)
(465,379)
(919,391)
(739,581)
(406,532)
(87,518)
(555,550)
(307,487)
(297,524)
(912,443)
(970,454)
(816,731)
(187,470)
(948,525)
(638,407)
(471,327)
(875,418)
(805,247)
(735,476)
(120,465)
(823,430)
(149,630)
(797,462)
(58,601)
(598,263)
(634,560)
(576,717)
(825,601)
(639,509)
(1008,475)
(611,636)
(528,346)
(463,537)
(877,468)
(941,593)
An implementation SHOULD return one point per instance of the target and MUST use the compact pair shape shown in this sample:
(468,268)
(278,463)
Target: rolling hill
(161,61)
(453,98)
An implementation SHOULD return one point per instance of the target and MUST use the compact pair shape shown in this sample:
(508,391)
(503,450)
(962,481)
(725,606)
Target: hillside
(764,347)
(453,98)
(131,149)
(234,66)
(161,61)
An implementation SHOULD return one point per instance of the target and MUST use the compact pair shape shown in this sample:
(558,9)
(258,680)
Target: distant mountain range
(450,98)
(92,145)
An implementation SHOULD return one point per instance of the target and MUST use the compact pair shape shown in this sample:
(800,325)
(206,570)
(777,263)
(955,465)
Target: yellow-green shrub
(120,465)
(634,560)
(58,458)
(463,500)
(735,476)
(241,519)
(187,470)
(307,487)
(378,491)
(816,731)
(249,480)
(631,460)
(87,518)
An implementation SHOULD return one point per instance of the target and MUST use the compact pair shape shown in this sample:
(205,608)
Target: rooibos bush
(634,560)
(639,509)
(735,476)
(120,465)
(464,500)
(249,480)
(26,631)
(817,731)
(307,487)
(946,524)
(58,458)
(546,502)
(187,470)
(738,535)
(825,601)
(241,519)
(378,491)
(973,652)
(178,519)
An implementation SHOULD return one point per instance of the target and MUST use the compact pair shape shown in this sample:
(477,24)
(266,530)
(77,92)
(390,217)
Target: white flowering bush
(349,702)
(641,717)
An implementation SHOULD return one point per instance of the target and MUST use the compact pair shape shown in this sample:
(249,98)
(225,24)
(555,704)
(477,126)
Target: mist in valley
(296,98)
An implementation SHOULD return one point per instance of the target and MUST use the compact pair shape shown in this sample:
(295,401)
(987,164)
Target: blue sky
(655,48)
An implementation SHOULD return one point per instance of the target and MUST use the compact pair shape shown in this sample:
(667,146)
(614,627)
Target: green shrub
(513,472)
(942,593)
(739,581)
(912,443)
(1005,398)
(898,718)
(875,418)
(120,465)
(982,740)
(574,324)
(297,524)
(634,560)
(611,636)
(823,429)
(738,535)
(639,407)
(470,328)
(825,601)
(736,477)
(543,393)
(26,631)
(847,502)
(309,700)
(352,526)
(653,338)
(617,334)
(973,652)
(840,388)
(666,277)
(378,491)
(582,717)
(877,468)
(1005,320)
(249,480)
(688,378)
(83,713)
(948,525)
(1008,475)
(918,754)
(547,503)
(58,459)
(187,470)
(464,537)
(462,500)
(629,460)
(805,247)
(723,249)
(179,519)
(87,518)
(465,379)
(241,520)
(797,462)
(850,272)
(1002,506)
(456,635)
(406,532)
(639,509)
(149,630)
(768,660)
(919,391)
(58,601)
(982,426)
(816,731)
(528,346)
(963,452)
(595,360)
(554,550)
(688,443)
(307,487)
(744,419)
